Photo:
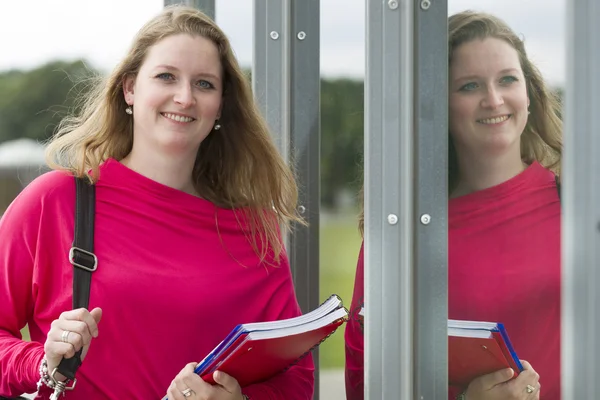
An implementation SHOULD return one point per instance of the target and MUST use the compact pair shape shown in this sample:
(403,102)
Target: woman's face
(487,98)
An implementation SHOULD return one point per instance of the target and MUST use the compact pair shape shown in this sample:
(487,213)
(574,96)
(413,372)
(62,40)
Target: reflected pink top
(503,266)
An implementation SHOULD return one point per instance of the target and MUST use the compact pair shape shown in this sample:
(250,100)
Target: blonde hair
(237,168)
(541,139)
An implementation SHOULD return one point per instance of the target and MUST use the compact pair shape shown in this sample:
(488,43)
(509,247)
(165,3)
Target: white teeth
(178,118)
(496,120)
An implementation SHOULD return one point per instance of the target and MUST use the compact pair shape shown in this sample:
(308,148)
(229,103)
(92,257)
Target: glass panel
(506,79)
(342,126)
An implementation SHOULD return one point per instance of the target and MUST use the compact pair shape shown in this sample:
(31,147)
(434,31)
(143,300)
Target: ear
(128,88)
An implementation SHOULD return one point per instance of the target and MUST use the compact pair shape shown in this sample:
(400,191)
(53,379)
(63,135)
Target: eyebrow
(172,68)
(470,77)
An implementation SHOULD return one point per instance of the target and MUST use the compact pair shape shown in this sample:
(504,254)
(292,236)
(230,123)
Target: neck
(164,169)
(481,173)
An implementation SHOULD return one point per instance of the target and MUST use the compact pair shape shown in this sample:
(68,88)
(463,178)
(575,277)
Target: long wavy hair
(541,139)
(239,168)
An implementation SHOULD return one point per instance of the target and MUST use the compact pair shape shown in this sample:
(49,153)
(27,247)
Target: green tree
(33,102)
(342,136)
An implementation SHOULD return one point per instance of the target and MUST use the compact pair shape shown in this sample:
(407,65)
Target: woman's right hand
(81,326)
(500,386)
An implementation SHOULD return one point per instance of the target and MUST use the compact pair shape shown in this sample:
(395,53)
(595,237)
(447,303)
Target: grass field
(339,246)
(339,243)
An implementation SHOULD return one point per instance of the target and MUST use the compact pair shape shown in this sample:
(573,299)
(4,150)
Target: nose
(493,98)
(184,96)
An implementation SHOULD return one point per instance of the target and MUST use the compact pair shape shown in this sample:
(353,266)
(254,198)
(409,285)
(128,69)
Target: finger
(96,313)
(228,382)
(77,333)
(83,315)
(59,350)
(495,378)
(526,365)
(173,393)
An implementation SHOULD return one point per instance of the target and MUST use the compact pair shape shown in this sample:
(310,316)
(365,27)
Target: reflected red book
(477,348)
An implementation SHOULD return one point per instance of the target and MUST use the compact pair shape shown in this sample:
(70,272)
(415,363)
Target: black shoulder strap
(557,180)
(82,258)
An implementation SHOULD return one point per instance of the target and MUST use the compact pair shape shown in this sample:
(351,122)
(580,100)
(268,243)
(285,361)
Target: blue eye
(468,87)
(205,84)
(165,76)
(509,79)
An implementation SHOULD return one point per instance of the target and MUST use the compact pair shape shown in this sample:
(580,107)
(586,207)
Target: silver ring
(187,392)
(65,336)
(530,389)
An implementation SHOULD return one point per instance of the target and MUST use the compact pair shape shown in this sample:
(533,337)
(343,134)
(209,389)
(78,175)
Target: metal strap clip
(85,253)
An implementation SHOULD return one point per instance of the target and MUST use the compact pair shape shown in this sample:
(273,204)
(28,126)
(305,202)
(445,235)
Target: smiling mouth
(495,120)
(177,118)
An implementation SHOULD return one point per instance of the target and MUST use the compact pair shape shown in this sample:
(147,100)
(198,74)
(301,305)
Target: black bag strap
(82,258)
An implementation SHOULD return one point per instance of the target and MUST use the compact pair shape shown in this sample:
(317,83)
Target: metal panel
(286,83)
(405,179)
(581,200)
(206,6)
(431,204)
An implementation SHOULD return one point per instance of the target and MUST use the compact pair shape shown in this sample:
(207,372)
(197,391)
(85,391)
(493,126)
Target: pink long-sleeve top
(171,286)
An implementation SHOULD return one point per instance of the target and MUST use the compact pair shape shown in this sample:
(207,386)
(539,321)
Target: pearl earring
(217,126)
(129,110)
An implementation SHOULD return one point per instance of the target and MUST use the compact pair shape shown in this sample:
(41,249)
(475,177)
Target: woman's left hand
(188,385)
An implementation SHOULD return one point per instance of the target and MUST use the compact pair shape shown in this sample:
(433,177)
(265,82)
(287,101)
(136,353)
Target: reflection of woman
(190,192)
(504,208)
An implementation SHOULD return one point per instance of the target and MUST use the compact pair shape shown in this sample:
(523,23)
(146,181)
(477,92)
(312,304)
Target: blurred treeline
(32,103)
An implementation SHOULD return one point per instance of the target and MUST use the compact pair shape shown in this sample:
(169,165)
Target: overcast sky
(36,31)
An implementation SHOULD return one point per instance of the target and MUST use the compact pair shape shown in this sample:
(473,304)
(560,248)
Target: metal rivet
(301,209)
(425,219)
(274,35)
(301,35)
(393,4)
(392,219)
(425,4)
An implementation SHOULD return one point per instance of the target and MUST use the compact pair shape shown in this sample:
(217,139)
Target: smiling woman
(504,210)
(191,193)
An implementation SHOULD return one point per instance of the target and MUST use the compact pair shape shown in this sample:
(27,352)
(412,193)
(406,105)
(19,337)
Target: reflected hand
(500,385)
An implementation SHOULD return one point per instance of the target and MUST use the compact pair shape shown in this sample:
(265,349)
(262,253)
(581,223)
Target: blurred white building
(21,161)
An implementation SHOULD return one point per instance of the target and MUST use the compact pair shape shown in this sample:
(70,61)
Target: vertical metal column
(406,200)
(581,204)
(431,199)
(286,83)
(206,6)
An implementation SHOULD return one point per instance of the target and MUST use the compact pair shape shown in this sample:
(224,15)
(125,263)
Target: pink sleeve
(19,360)
(296,383)
(354,337)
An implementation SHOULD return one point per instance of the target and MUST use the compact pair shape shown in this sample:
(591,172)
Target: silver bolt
(392,219)
(274,35)
(301,209)
(393,4)
(425,219)
(425,4)
(301,35)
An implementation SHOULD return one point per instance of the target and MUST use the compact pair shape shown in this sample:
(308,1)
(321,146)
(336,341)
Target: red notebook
(478,348)
(257,351)
(254,359)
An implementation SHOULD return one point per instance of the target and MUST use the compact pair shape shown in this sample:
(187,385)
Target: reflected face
(487,98)
(176,95)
